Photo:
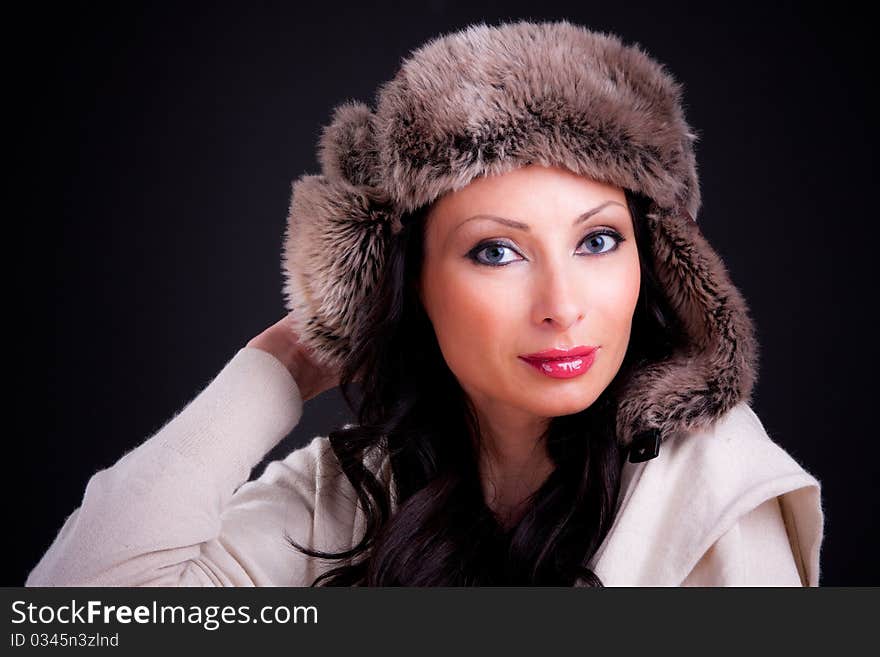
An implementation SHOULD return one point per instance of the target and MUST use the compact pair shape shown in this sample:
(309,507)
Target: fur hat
(487,99)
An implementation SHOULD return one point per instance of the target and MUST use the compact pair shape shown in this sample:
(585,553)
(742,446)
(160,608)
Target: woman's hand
(282,341)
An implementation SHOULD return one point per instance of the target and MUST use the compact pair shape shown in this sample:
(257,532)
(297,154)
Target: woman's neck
(510,472)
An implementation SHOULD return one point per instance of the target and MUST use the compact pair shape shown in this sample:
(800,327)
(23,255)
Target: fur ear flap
(347,148)
(719,367)
(334,250)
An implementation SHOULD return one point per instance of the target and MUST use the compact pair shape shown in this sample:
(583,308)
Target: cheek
(613,305)
(614,302)
(471,314)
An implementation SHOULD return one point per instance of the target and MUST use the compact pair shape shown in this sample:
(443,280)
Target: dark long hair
(412,406)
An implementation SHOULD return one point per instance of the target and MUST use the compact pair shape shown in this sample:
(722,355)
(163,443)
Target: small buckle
(644,446)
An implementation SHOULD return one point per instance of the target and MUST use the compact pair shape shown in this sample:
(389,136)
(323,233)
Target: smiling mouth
(563,367)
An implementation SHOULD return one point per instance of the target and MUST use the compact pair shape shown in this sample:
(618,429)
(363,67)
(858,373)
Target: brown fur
(485,100)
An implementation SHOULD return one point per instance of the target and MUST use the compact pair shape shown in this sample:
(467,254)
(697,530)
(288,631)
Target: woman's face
(495,291)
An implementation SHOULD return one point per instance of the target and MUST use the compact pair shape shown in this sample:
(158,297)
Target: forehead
(535,192)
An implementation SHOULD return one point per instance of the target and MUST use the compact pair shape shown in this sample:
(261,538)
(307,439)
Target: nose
(559,298)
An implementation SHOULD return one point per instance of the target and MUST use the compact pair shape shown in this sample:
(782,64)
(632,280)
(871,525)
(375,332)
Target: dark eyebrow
(525,227)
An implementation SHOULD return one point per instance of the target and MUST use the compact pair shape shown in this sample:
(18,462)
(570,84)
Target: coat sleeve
(756,551)
(178,511)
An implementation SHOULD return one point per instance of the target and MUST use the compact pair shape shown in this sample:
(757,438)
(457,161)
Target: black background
(153,151)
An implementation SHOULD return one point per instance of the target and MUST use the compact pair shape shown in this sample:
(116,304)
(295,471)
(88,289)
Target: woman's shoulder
(734,454)
(699,486)
(745,476)
(733,466)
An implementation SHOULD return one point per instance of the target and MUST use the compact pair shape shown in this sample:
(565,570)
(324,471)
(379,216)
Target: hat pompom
(347,148)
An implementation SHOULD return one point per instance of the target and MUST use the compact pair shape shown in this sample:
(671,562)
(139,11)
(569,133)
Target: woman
(555,368)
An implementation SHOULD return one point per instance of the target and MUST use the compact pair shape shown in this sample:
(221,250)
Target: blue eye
(601,238)
(604,240)
(495,252)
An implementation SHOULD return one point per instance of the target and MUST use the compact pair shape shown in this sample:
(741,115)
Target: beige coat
(724,507)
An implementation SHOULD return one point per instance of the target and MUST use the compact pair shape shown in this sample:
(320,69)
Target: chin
(566,404)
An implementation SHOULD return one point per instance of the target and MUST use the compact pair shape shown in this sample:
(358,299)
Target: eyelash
(472,254)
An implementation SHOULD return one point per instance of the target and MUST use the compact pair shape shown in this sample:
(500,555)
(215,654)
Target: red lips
(556,354)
